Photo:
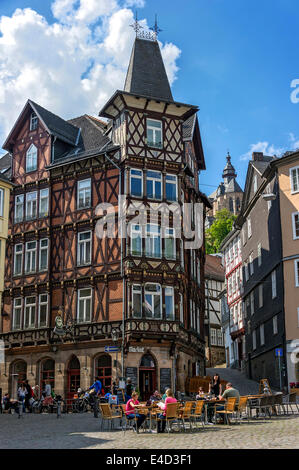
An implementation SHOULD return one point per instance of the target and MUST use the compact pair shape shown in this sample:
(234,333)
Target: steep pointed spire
(146,73)
(229,171)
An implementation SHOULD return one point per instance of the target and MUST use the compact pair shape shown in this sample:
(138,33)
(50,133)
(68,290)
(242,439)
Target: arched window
(31,158)
(73,376)
(238,204)
(104,370)
(47,373)
(147,361)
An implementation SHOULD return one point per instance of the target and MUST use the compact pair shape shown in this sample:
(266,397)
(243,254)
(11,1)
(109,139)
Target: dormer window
(31,159)
(33,122)
(154,133)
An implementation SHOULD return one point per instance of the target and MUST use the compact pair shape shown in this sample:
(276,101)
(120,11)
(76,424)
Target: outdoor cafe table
(211,402)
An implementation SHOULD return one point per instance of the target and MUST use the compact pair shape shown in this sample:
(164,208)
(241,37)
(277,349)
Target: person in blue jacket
(97,385)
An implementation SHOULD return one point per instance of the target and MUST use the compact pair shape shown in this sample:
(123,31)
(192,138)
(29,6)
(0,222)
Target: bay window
(169,303)
(153,241)
(154,184)
(153,305)
(136,301)
(136,240)
(170,243)
(171,187)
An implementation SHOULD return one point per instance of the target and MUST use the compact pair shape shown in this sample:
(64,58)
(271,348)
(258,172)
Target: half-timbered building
(83,273)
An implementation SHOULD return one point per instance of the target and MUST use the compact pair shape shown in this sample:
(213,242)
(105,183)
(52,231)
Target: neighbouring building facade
(74,285)
(228,195)
(214,283)
(5,188)
(235,346)
(263,294)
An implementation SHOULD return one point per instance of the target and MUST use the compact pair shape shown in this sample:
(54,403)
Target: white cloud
(134,3)
(294,141)
(71,66)
(265,147)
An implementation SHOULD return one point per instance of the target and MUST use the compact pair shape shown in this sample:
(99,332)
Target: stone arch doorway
(104,371)
(47,373)
(18,375)
(147,376)
(73,377)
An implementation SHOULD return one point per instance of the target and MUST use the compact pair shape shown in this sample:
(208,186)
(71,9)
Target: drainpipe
(121,272)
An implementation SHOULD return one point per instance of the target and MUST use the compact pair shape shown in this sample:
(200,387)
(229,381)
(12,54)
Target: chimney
(257,156)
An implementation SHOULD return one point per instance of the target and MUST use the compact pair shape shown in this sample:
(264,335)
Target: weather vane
(136,26)
(156,28)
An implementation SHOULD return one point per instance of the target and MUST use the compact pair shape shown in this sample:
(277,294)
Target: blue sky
(238,59)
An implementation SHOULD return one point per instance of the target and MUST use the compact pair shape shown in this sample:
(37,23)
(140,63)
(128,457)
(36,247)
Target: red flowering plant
(292,384)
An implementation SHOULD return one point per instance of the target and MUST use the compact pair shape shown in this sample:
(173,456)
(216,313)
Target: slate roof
(92,132)
(261,166)
(5,166)
(146,73)
(233,187)
(188,127)
(65,130)
(214,268)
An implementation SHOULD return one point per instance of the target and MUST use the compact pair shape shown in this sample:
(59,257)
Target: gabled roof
(233,187)
(54,124)
(5,166)
(146,73)
(188,127)
(92,133)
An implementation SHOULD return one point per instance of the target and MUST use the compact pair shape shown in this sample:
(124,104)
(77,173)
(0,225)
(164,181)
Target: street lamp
(115,336)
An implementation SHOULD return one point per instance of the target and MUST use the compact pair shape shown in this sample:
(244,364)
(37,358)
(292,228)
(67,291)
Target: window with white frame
(154,133)
(252,302)
(261,301)
(19,207)
(84,248)
(251,264)
(43,310)
(31,205)
(262,334)
(30,257)
(29,313)
(153,304)
(1,202)
(136,183)
(84,305)
(294,177)
(255,183)
(273,281)
(171,188)
(84,194)
(169,243)
(181,309)
(136,301)
(259,254)
(246,270)
(213,337)
(33,121)
(18,262)
(17,314)
(31,159)
(254,339)
(153,241)
(136,240)
(295,223)
(249,227)
(44,202)
(43,254)
(296,265)
(220,337)
(153,184)
(169,303)
(275,327)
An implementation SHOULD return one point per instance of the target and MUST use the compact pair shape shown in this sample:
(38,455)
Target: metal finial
(136,26)
(156,28)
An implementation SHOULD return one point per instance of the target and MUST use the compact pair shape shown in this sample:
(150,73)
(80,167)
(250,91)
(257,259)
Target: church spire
(229,171)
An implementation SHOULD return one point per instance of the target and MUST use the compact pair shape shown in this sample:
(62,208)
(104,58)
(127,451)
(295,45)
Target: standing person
(48,389)
(130,410)
(114,388)
(169,399)
(97,385)
(28,396)
(129,390)
(22,394)
(215,386)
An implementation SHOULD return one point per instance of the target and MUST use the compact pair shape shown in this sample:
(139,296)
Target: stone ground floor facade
(67,367)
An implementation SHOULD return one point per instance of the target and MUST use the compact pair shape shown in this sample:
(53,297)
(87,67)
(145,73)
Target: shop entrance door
(147,377)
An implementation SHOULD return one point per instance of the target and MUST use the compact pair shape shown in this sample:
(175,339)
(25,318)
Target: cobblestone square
(82,431)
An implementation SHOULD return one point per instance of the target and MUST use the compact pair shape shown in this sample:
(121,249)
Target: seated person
(169,399)
(229,392)
(130,410)
(155,396)
(200,394)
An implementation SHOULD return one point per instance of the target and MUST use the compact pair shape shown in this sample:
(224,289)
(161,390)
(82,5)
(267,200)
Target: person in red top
(130,410)
(169,399)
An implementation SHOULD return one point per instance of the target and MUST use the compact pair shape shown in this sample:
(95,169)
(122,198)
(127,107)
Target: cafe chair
(291,402)
(229,409)
(242,409)
(172,415)
(186,414)
(108,416)
(261,405)
(198,414)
